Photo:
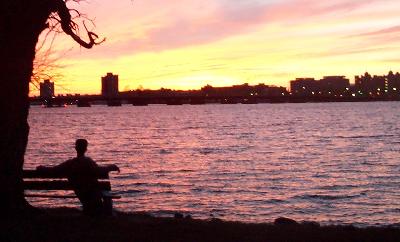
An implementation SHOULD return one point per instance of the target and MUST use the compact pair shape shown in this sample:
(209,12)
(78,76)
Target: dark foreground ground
(69,225)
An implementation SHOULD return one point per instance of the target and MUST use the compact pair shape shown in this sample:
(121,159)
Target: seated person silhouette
(82,173)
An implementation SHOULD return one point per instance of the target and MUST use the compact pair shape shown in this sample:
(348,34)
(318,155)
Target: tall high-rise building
(109,85)
(47,89)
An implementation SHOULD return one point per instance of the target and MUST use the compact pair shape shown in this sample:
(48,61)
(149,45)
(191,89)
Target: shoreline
(171,213)
(64,224)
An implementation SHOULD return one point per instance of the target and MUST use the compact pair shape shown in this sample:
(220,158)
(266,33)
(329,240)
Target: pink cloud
(186,23)
(230,18)
(385,31)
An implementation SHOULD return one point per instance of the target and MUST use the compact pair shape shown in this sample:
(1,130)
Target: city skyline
(366,88)
(227,43)
(114,78)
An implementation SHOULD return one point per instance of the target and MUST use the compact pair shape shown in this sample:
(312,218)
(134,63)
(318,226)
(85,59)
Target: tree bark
(21,22)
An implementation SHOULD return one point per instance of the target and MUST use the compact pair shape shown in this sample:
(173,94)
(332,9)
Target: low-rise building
(304,87)
(334,85)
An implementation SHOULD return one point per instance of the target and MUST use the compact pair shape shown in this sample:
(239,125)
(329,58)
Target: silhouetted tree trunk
(21,22)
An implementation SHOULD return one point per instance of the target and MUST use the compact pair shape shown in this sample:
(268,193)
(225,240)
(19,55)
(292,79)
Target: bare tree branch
(61,19)
(72,29)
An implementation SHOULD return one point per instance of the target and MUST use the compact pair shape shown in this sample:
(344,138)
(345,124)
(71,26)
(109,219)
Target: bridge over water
(88,100)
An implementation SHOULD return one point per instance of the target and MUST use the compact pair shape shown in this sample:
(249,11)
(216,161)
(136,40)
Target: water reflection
(336,163)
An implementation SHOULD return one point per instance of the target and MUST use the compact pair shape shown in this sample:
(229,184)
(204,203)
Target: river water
(336,163)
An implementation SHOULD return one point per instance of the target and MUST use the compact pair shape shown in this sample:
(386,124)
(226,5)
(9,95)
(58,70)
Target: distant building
(372,86)
(47,89)
(109,85)
(334,85)
(244,90)
(304,86)
(269,91)
(393,83)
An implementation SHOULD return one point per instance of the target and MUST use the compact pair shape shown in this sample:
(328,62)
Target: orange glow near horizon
(188,44)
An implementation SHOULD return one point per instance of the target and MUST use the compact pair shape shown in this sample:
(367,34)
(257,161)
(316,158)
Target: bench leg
(107,204)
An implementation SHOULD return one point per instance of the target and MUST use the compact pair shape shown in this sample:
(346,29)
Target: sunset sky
(186,44)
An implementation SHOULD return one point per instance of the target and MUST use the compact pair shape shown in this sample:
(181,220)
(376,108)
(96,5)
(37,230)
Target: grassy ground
(69,225)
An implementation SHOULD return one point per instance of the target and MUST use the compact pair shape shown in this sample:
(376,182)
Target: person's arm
(61,168)
(109,168)
(112,167)
(104,169)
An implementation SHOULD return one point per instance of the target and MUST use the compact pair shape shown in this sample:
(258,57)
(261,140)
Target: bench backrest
(40,180)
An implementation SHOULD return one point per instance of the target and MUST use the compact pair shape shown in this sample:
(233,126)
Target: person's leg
(107,204)
(92,204)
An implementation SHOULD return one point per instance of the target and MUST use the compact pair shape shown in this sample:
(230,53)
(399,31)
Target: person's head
(81,146)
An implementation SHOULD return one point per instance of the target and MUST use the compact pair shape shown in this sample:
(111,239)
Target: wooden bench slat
(67,196)
(59,185)
(46,174)
(50,196)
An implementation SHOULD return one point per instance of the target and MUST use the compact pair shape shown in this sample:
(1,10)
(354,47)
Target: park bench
(40,181)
